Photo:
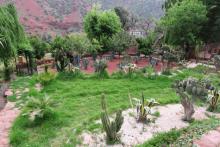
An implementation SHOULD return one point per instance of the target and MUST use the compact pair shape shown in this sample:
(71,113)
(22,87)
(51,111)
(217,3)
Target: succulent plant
(144,108)
(213,101)
(111,127)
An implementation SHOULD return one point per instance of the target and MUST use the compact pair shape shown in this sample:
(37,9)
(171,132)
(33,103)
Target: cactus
(213,102)
(188,90)
(111,127)
(85,63)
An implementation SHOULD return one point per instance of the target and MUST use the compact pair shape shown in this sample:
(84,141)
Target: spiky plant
(38,108)
(111,127)
(144,108)
(213,101)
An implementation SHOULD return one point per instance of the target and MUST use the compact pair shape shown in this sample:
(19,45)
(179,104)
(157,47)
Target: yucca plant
(38,108)
(213,101)
(144,108)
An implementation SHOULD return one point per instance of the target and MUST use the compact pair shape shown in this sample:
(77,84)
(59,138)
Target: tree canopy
(183,23)
(101,25)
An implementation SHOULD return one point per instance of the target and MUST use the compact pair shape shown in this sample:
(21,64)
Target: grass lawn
(78,105)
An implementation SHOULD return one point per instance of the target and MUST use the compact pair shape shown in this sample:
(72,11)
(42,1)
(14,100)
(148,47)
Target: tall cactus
(111,128)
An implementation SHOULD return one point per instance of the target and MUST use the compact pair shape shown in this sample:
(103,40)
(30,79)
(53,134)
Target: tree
(145,45)
(78,43)
(101,25)
(211,29)
(183,23)
(121,41)
(124,16)
(39,46)
(12,35)
(59,46)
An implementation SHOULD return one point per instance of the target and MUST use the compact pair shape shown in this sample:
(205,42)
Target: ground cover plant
(78,96)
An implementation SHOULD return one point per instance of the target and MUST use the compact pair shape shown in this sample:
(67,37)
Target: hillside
(62,16)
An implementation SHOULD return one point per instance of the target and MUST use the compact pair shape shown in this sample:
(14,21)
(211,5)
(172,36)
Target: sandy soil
(133,133)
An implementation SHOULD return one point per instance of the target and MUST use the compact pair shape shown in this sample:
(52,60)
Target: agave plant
(38,107)
(213,101)
(144,108)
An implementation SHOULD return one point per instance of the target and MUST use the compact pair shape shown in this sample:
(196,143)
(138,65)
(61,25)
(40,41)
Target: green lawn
(78,105)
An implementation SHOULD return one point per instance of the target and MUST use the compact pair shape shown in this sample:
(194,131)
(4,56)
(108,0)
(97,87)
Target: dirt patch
(7,116)
(133,133)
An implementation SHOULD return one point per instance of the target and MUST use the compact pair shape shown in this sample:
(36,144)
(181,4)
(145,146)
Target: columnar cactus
(111,127)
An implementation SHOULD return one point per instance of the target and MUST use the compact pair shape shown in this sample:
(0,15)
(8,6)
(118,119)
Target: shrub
(213,101)
(38,108)
(150,72)
(46,78)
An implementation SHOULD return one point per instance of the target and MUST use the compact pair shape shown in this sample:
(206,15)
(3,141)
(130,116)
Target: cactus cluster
(100,65)
(111,127)
(195,88)
(85,63)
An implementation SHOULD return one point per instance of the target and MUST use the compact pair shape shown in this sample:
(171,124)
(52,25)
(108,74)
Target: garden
(87,89)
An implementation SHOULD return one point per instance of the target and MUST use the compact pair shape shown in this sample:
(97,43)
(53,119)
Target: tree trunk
(188,108)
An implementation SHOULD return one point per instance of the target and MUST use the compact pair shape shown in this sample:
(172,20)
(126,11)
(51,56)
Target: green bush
(46,78)
(37,109)
(100,68)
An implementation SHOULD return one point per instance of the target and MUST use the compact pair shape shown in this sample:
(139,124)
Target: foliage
(101,25)
(183,23)
(11,34)
(150,72)
(78,44)
(144,108)
(46,78)
(211,30)
(60,49)
(111,127)
(145,45)
(38,108)
(121,41)
(40,47)
(183,137)
(124,16)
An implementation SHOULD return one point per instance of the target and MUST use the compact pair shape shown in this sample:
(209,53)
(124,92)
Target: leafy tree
(12,35)
(101,25)
(145,45)
(59,46)
(183,23)
(211,29)
(78,43)
(124,16)
(120,42)
(39,46)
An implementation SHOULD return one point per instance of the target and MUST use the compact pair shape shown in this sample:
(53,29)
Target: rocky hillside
(62,16)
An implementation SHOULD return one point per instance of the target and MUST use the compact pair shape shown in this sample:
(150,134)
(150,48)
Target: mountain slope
(62,16)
